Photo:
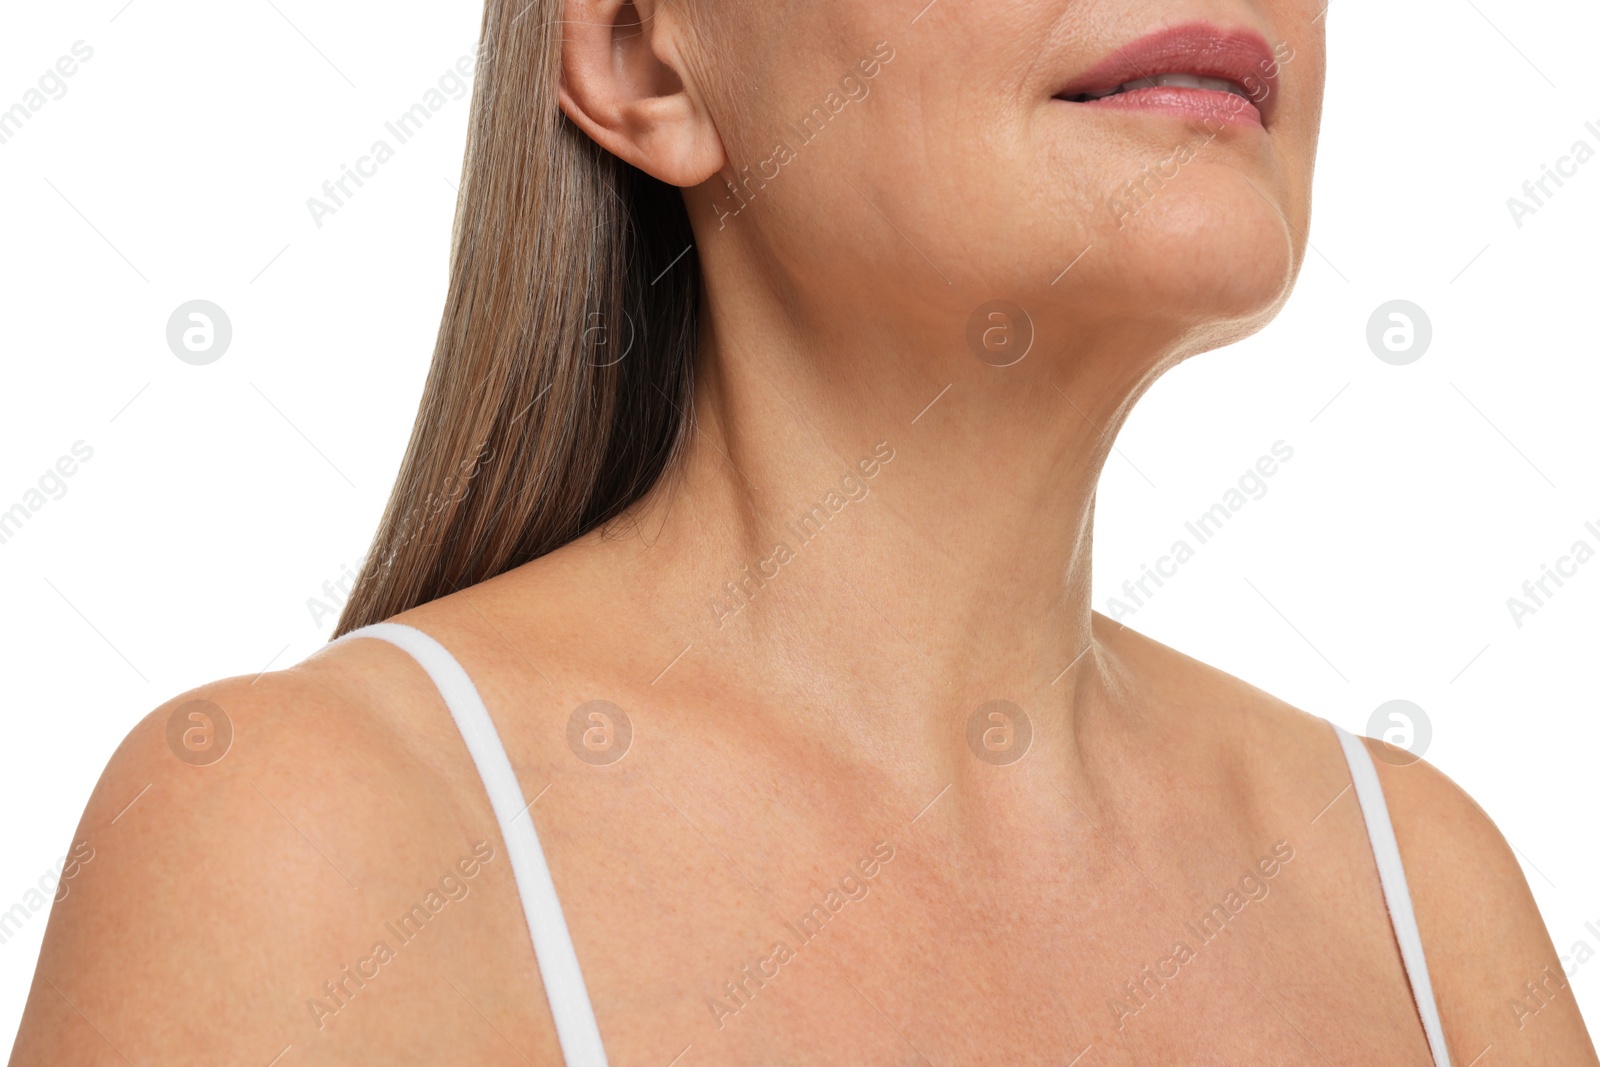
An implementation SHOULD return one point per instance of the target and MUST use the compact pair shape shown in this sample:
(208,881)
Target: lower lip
(1210,106)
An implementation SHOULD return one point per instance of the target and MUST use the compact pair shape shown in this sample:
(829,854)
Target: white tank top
(552,941)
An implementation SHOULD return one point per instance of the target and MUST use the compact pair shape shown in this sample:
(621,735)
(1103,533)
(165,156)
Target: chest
(896,939)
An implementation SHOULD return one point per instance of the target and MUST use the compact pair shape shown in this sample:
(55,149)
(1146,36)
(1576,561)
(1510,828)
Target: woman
(736,696)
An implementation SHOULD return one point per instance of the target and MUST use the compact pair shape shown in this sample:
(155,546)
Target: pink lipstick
(1196,71)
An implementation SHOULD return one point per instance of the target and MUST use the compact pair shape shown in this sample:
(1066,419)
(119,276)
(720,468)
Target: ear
(622,81)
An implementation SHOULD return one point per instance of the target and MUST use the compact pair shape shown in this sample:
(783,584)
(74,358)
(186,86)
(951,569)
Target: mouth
(1195,71)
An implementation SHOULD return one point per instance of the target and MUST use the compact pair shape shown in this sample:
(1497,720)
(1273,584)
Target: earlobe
(623,82)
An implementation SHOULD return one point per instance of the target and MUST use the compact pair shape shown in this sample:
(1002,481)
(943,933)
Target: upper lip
(1242,57)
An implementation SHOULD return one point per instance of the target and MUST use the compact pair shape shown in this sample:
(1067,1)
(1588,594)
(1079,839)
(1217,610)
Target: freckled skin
(784,739)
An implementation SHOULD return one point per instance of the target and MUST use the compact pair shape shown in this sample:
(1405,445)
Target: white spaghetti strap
(1392,874)
(552,941)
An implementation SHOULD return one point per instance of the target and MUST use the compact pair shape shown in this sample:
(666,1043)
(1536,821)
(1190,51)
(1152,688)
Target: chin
(1212,253)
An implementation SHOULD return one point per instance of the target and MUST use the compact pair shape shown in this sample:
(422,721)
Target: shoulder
(352,716)
(232,857)
(1496,975)
(1266,742)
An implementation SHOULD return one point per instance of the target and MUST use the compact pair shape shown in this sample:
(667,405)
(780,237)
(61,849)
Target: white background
(219,498)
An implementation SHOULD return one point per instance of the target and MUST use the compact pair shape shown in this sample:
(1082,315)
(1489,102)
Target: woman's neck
(886,529)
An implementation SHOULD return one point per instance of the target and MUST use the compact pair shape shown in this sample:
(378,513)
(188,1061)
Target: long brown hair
(561,374)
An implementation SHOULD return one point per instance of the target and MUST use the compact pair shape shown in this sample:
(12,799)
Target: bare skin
(820,730)
(1014,908)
